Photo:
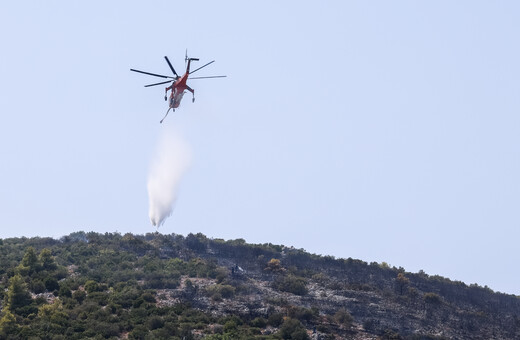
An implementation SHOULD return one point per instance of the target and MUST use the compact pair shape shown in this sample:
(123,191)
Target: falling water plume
(171,160)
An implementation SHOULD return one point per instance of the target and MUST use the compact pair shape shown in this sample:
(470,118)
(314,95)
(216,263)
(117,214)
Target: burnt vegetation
(154,286)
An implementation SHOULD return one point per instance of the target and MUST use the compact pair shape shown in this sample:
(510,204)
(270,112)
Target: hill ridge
(173,286)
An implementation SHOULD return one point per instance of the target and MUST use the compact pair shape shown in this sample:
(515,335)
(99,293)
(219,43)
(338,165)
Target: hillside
(112,286)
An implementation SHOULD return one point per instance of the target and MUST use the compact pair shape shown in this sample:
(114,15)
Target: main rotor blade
(170,64)
(208,77)
(164,82)
(202,66)
(152,74)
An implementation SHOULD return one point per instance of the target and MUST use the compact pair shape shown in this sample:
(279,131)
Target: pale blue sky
(378,130)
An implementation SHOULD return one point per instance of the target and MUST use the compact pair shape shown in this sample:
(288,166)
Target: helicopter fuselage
(178,88)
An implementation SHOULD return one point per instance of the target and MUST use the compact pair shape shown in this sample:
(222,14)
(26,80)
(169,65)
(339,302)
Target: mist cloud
(169,163)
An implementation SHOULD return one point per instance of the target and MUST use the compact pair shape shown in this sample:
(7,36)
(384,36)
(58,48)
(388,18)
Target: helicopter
(178,86)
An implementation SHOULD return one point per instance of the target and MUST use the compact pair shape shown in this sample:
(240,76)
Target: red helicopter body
(179,83)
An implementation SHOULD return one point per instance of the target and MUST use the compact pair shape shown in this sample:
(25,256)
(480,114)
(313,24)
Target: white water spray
(171,160)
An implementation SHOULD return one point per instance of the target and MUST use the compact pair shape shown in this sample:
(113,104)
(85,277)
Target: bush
(217,292)
(343,317)
(230,326)
(275,319)
(64,291)
(155,322)
(148,297)
(99,297)
(91,286)
(259,322)
(138,333)
(432,298)
(301,313)
(293,329)
(227,291)
(291,284)
(79,295)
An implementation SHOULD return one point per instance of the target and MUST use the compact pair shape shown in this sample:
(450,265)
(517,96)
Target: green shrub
(343,317)
(79,295)
(64,291)
(148,297)
(259,322)
(291,284)
(91,286)
(275,319)
(218,291)
(37,286)
(230,326)
(155,322)
(99,297)
(293,329)
(138,333)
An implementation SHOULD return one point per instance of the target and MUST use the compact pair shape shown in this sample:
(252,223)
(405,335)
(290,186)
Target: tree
(17,295)
(194,242)
(401,282)
(274,265)
(51,284)
(8,324)
(30,263)
(53,315)
(47,260)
